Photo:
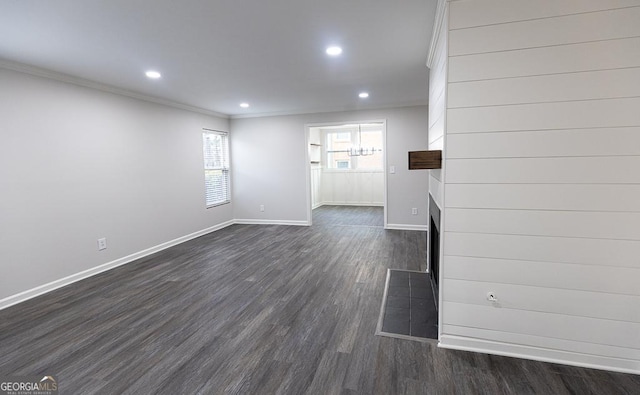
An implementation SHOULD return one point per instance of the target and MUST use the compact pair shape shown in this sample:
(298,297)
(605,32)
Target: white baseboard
(270,222)
(406,227)
(352,204)
(42,289)
(539,354)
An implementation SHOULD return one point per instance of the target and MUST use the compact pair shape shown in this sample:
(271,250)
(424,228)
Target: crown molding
(437,25)
(54,75)
(415,103)
(39,72)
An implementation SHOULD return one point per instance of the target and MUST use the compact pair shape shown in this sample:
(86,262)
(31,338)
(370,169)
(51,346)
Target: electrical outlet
(392,169)
(414,211)
(102,244)
(262,207)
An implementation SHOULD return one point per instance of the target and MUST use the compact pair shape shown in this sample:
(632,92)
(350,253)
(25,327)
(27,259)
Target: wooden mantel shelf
(425,160)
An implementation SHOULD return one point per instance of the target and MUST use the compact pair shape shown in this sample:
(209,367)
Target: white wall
(437,63)
(315,158)
(542,181)
(78,164)
(353,187)
(269,165)
(438,66)
(316,185)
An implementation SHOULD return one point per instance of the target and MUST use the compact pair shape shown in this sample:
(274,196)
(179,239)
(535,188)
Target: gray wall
(542,185)
(269,164)
(77,164)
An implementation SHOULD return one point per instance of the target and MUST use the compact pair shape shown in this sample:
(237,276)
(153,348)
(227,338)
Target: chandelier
(360,150)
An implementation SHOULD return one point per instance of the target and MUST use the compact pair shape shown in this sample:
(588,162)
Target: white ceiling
(214,54)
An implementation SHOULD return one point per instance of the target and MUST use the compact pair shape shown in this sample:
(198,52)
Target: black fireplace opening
(433,247)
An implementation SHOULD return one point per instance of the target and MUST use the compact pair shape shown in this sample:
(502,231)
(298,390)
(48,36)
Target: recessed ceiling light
(334,51)
(153,74)
(363,95)
(244,105)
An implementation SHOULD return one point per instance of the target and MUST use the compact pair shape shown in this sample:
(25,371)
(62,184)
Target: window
(342,136)
(354,147)
(216,167)
(338,143)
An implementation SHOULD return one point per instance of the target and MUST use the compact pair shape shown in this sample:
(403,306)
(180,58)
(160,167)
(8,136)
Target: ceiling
(215,54)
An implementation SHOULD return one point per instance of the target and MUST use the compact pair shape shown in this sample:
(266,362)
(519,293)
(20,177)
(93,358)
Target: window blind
(216,167)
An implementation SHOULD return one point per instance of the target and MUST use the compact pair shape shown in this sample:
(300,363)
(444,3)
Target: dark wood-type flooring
(256,309)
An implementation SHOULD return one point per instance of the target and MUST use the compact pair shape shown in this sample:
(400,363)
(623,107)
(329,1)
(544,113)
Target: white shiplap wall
(437,63)
(316,186)
(542,186)
(352,188)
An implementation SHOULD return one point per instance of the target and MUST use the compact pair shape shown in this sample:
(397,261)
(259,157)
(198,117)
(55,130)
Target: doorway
(346,164)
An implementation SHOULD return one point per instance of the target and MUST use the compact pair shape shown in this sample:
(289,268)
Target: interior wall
(437,100)
(268,155)
(353,187)
(542,181)
(315,158)
(78,164)
(438,66)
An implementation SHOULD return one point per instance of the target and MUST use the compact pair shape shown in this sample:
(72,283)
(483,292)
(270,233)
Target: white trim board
(270,222)
(539,354)
(320,110)
(373,204)
(423,228)
(45,288)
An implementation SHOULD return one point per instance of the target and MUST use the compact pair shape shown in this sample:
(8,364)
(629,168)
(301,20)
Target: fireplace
(433,247)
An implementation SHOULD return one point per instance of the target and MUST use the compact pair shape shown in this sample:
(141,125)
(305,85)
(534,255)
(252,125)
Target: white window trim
(226,168)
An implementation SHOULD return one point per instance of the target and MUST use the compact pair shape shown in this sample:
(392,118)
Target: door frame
(307,135)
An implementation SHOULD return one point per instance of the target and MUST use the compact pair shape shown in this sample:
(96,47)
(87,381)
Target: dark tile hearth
(409,308)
